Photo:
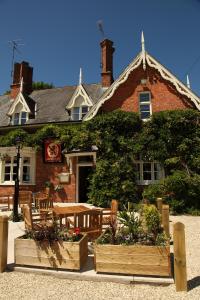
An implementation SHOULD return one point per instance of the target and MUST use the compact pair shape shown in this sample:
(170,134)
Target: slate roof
(50,103)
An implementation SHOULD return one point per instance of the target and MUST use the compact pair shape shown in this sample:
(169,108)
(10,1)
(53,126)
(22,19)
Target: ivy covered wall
(171,137)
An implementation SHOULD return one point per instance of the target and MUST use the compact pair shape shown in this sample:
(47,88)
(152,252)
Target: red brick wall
(49,172)
(163,94)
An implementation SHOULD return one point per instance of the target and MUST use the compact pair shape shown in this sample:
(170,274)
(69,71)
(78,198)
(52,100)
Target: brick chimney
(21,70)
(107,51)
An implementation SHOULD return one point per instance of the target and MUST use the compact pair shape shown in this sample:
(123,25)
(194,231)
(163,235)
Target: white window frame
(80,114)
(141,180)
(145,103)
(12,152)
(20,117)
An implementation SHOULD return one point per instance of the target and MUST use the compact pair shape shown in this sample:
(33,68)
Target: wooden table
(68,211)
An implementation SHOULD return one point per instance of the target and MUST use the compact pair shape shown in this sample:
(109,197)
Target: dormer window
(145,105)
(19,118)
(21,109)
(78,113)
(79,104)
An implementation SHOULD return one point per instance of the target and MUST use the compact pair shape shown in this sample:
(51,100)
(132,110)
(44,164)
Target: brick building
(145,86)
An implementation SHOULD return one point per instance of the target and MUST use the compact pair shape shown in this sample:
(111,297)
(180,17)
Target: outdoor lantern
(18,143)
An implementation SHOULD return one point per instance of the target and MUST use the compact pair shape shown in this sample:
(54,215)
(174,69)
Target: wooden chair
(35,222)
(110,214)
(25,197)
(89,222)
(6,201)
(43,202)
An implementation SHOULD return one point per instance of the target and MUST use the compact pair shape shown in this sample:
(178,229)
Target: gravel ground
(14,285)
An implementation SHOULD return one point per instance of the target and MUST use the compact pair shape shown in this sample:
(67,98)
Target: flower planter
(133,259)
(58,254)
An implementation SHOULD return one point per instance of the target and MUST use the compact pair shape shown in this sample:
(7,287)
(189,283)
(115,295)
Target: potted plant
(52,247)
(139,246)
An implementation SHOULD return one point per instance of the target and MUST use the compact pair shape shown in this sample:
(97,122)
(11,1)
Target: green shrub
(180,190)
(152,220)
(134,231)
(193,211)
(153,191)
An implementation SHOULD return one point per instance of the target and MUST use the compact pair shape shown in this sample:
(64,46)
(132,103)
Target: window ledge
(146,182)
(13,184)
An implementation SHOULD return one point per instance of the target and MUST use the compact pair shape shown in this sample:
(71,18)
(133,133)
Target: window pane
(147,171)
(10,169)
(157,171)
(7,177)
(147,176)
(16,119)
(84,111)
(23,114)
(147,167)
(7,173)
(145,108)
(23,117)
(7,169)
(145,115)
(14,172)
(26,174)
(75,113)
(144,97)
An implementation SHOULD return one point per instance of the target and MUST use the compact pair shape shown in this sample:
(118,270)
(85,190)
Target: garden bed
(57,254)
(133,259)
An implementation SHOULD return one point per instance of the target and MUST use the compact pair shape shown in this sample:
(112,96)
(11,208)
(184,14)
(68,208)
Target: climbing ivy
(171,137)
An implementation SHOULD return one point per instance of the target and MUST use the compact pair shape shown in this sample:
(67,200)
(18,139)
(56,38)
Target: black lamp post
(16,195)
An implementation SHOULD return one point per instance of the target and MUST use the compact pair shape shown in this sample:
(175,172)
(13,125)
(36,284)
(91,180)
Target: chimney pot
(21,70)
(107,51)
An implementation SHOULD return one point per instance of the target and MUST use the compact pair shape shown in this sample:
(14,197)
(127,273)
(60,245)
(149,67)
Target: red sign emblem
(52,151)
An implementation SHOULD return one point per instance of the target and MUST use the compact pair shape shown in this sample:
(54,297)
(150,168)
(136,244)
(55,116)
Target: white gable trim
(110,91)
(20,99)
(181,88)
(80,91)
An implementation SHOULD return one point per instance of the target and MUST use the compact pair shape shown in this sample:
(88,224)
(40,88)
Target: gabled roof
(50,104)
(80,93)
(27,103)
(143,58)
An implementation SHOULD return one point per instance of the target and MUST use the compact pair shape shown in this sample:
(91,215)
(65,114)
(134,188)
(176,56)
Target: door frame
(79,165)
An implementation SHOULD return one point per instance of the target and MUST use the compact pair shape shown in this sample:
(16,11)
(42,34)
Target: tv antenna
(14,44)
(100,26)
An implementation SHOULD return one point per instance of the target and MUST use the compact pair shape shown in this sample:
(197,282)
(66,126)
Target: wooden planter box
(138,260)
(58,255)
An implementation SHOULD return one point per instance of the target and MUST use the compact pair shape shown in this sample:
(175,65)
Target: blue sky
(61,36)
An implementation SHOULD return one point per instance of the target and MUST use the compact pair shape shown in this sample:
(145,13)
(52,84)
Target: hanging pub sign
(52,151)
